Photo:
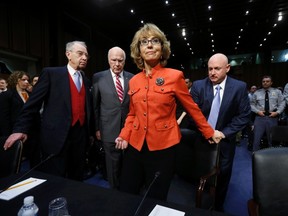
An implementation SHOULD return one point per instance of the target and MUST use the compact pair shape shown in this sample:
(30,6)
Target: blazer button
(162,89)
(145,128)
(146,87)
(145,114)
(144,100)
(165,126)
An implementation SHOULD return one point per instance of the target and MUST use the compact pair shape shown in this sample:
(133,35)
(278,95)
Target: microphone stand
(147,191)
(30,170)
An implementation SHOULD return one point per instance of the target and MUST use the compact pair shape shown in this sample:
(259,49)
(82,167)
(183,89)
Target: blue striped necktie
(213,116)
(77,80)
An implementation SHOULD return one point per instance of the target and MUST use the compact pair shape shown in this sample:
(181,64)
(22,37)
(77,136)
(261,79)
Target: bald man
(110,111)
(234,115)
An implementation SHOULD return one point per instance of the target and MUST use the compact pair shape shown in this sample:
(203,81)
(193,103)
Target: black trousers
(70,162)
(139,169)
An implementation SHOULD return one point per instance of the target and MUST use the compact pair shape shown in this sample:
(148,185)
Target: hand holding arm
(217,136)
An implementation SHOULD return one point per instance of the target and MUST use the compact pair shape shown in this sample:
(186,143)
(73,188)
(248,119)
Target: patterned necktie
(213,116)
(267,109)
(119,88)
(77,80)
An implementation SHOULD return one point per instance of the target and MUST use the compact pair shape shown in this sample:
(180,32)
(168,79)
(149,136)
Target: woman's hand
(217,136)
(121,143)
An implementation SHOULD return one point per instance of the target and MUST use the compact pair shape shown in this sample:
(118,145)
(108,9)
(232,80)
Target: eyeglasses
(80,54)
(154,41)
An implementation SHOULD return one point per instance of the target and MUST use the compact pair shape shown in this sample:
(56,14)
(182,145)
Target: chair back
(10,160)
(197,162)
(270,187)
(279,135)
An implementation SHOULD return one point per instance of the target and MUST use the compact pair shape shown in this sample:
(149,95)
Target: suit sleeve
(192,108)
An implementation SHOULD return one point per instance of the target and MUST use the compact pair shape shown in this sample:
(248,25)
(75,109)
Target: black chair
(197,162)
(279,135)
(270,174)
(10,160)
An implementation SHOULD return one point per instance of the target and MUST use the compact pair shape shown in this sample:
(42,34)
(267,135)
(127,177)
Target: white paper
(20,188)
(165,211)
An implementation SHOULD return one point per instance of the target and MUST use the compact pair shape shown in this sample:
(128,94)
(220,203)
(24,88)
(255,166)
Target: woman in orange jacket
(151,127)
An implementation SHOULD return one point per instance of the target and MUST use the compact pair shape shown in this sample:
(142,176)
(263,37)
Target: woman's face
(23,83)
(151,50)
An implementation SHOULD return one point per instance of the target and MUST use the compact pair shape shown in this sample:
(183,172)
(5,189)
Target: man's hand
(13,138)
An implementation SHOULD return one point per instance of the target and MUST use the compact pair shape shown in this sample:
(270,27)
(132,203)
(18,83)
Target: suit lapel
(210,92)
(126,85)
(227,95)
(111,85)
(64,75)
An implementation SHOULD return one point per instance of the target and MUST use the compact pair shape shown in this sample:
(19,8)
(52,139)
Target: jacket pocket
(164,125)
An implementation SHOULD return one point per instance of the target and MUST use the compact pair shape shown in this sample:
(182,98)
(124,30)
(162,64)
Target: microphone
(30,170)
(147,191)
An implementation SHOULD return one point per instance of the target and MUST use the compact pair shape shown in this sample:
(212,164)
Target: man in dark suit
(65,92)
(110,110)
(234,114)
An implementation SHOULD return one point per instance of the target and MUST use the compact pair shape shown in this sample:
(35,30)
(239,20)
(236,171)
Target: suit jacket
(110,113)
(152,114)
(234,113)
(11,105)
(53,89)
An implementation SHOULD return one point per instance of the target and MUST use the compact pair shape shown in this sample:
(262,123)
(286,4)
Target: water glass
(58,207)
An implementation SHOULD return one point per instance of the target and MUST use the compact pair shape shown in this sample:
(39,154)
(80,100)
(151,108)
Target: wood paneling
(19,31)
(35,36)
(4,32)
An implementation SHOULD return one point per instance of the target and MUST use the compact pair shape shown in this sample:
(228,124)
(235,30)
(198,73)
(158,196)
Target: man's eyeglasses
(153,41)
(80,53)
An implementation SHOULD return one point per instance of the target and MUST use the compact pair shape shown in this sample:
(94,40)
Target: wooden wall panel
(35,37)
(19,31)
(4,32)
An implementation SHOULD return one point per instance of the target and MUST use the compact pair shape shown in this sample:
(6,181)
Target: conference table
(86,199)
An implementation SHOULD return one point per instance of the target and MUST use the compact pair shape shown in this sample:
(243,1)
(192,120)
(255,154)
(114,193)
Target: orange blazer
(152,111)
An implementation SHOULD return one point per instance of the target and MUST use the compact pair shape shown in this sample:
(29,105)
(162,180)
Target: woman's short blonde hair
(146,31)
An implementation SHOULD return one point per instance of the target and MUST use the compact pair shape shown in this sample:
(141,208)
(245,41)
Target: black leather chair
(270,187)
(197,163)
(10,160)
(279,135)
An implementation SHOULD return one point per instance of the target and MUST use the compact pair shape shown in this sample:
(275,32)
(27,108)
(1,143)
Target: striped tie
(213,116)
(119,88)
(77,80)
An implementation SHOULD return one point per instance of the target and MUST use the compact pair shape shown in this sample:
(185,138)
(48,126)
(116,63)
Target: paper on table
(20,187)
(165,211)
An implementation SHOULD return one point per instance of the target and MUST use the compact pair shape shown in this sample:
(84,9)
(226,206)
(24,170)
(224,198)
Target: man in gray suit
(110,110)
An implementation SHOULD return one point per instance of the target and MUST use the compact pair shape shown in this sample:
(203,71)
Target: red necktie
(119,88)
